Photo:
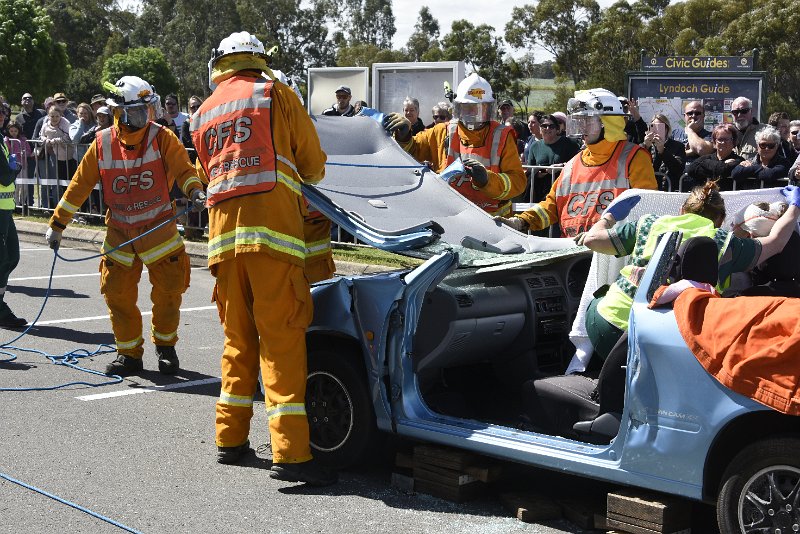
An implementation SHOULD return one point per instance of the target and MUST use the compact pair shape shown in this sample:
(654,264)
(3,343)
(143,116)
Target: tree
(480,49)
(561,27)
(426,33)
(29,58)
(364,55)
(368,22)
(779,55)
(146,63)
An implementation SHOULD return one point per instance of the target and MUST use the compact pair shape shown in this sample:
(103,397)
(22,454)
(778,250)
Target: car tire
(761,489)
(340,415)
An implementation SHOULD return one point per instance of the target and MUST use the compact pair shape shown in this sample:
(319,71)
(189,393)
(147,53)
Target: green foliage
(559,26)
(364,55)
(368,22)
(146,63)
(29,58)
(478,48)
(426,33)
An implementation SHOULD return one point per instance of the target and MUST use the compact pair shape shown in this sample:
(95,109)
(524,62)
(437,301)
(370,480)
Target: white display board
(393,82)
(323,81)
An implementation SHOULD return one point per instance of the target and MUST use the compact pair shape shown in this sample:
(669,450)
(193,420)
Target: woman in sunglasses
(717,165)
(767,166)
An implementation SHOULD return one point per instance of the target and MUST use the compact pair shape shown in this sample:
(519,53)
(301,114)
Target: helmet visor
(136,116)
(585,126)
(472,114)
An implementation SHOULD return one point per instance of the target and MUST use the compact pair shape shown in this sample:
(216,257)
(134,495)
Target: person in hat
(98,101)
(61,102)
(342,106)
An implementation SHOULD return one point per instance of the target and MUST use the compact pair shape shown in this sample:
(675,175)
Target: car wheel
(761,489)
(340,415)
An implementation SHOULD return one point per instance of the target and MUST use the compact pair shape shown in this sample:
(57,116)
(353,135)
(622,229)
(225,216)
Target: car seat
(587,407)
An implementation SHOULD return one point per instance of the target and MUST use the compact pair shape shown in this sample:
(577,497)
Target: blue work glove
(397,124)
(13,163)
(792,194)
(198,200)
(477,172)
(619,210)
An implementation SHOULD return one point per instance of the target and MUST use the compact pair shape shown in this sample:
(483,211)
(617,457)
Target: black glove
(477,172)
(198,200)
(397,124)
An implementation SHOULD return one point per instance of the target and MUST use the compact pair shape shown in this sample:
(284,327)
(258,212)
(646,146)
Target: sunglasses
(693,113)
(60,101)
(548,126)
(743,111)
(795,132)
(767,146)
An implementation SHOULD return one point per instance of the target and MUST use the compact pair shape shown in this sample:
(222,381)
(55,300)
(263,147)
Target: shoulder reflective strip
(132,344)
(494,156)
(187,186)
(133,220)
(290,182)
(286,161)
(506,184)
(565,178)
(622,162)
(164,337)
(105,139)
(241,180)
(257,235)
(66,206)
(542,214)
(293,408)
(158,252)
(149,155)
(235,400)
(452,131)
(119,256)
(260,102)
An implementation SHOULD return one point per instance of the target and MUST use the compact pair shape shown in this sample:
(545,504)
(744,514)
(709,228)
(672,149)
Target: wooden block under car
(640,511)
(403,482)
(583,513)
(457,493)
(404,459)
(443,457)
(635,529)
(531,507)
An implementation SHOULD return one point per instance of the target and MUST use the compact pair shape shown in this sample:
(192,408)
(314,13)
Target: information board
(667,93)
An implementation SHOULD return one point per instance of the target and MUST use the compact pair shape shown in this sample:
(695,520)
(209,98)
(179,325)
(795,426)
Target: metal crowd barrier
(44,178)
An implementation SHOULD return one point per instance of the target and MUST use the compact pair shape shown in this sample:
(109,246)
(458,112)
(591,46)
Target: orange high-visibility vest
(584,192)
(134,181)
(232,133)
(488,155)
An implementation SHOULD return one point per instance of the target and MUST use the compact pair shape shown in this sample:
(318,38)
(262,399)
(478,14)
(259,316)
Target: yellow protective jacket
(640,175)
(154,246)
(271,222)
(431,145)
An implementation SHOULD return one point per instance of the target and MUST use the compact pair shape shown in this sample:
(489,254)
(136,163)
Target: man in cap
(97,102)
(342,106)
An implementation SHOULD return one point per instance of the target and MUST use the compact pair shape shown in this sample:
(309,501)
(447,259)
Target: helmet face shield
(137,116)
(588,127)
(471,115)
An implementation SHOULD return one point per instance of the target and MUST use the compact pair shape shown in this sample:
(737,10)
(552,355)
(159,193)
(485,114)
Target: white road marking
(99,317)
(28,278)
(150,389)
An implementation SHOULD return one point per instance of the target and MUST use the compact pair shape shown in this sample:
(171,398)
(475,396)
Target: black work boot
(167,360)
(124,366)
(309,472)
(231,455)
(8,319)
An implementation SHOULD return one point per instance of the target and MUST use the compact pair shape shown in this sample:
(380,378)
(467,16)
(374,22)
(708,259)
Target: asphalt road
(143,455)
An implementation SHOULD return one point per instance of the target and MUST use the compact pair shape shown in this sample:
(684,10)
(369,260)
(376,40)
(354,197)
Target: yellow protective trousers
(265,307)
(120,287)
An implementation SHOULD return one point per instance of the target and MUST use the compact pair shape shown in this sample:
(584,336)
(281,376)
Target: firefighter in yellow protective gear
(137,162)
(487,148)
(594,177)
(256,145)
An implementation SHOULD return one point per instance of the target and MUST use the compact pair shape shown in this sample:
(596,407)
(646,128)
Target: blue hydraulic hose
(69,503)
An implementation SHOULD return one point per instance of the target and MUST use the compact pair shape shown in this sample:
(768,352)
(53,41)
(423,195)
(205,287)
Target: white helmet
(474,102)
(281,77)
(585,112)
(134,102)
(235,43)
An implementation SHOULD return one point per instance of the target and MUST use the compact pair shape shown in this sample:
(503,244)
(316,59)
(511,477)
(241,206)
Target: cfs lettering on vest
(123,184)
(216,135)
(593,201)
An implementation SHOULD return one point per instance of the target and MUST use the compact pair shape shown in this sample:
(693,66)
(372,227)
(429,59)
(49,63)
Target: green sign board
(698,64)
